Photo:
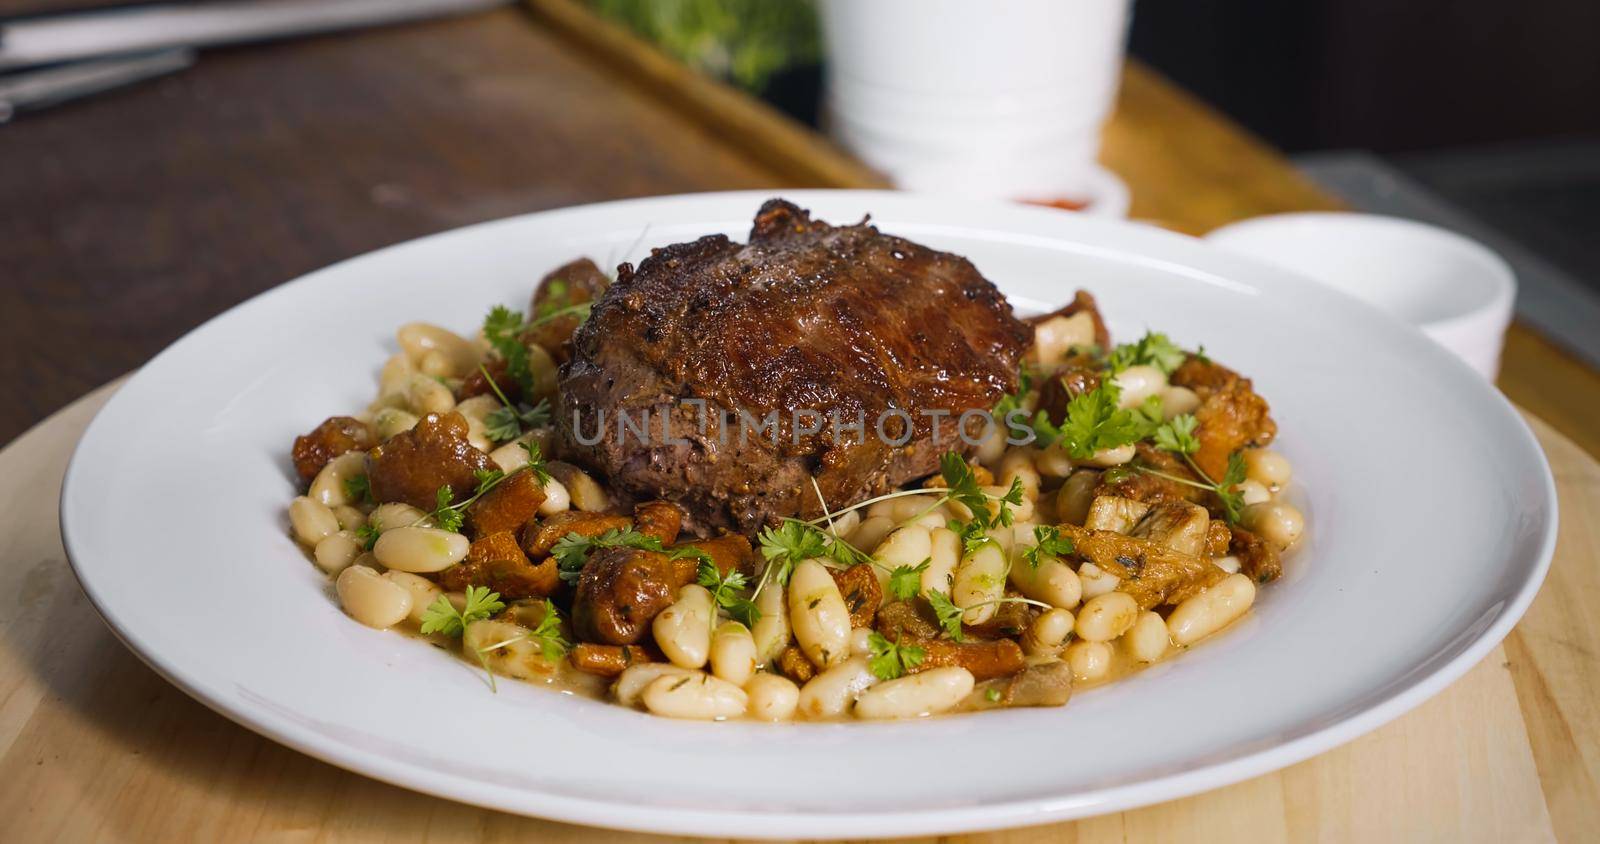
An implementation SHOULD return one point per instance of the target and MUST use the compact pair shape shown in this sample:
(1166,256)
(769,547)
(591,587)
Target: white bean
(349,517)
(1147,640)
(1075,496)
(1089,661)
(733,653)
(1019,512)
(915,507)
(1096,581)
(860,641)
(1017,464)
(423,592)
(328,486)
(1229,564)
(829,694)
(870,534)
(1047,632)
(418,338)
(908,546)
(771,633)
(914,696)
(1211,610)
(698,697)
(1278,522)
(420,549)
(773,697)
(845,525)
(1139,383)
(556,499)
(510,457)
(818,614)
(683,630)
(1252,492)
(1056,336)
(1051,581)
(436,364)
(370,599)
(583,492)
(311,520)
(632,682)
(1176,401)
(943,556)
(980,582)
(426,395)
(1053,461)
(476,411)
(543,368)
(1105,617)
(394,514)
(397,372)
(1105,458)
(396,400)
(994,442)
(337,551)
(1268,467)
(506,649)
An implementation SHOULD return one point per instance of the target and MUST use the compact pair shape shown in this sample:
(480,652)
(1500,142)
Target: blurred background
(1493,106)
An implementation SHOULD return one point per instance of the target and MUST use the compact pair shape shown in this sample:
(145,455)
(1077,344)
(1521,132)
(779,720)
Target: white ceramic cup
(977,99)
(1454,289)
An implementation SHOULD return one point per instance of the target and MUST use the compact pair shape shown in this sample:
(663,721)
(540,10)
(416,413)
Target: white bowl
(1453,288)
(1412,569)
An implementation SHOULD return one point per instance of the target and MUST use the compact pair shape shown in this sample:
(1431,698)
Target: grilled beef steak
(841,320)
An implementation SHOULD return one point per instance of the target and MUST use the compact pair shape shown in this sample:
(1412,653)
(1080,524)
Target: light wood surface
(96,746)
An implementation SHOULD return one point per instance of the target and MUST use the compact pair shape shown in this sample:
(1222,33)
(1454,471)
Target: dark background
(1386,75)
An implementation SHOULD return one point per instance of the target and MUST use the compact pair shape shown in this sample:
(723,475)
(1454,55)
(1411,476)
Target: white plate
(1432,518)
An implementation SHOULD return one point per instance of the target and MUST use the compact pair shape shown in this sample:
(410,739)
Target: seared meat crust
(806,316)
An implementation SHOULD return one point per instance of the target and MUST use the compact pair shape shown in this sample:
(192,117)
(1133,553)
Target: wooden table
(139,214)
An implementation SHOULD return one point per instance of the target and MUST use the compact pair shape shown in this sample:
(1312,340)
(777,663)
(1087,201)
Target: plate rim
(1025,811)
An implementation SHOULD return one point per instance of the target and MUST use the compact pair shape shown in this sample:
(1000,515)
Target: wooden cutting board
(95,745)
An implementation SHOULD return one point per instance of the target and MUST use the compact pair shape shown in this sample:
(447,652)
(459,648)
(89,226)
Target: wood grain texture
(101,748)
(128,219)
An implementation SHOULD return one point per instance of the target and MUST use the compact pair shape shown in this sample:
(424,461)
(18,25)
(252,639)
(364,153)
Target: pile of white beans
(383,587)
(718,668)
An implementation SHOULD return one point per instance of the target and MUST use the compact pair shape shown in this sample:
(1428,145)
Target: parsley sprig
(1153,349)
(727,592)
(906,581)
(442,616)
(503,329)
(1048,542)
(449,514)
(509,421)
(889,660)
(359,488)
(949,615)
(1177,435)
(1095,422)
(572,551)
(546,635)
